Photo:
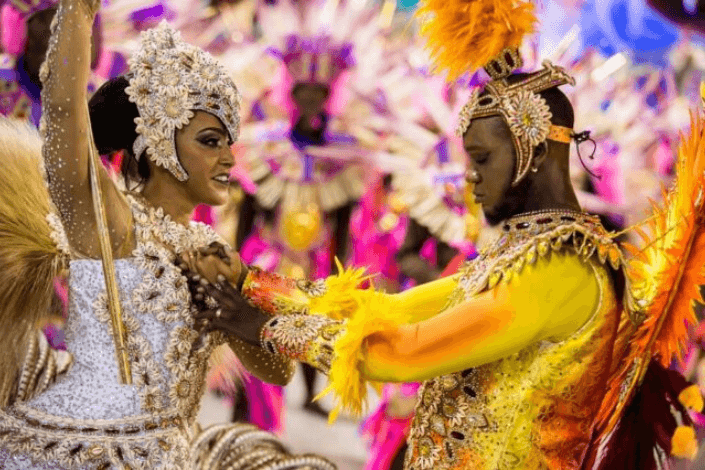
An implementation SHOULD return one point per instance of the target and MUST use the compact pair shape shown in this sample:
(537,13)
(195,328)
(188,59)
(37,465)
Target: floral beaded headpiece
(315,59)
(526,113)
(169,80)
(465,35)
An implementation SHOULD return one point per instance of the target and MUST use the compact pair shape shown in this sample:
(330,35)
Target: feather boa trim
(365,312)
(29,256)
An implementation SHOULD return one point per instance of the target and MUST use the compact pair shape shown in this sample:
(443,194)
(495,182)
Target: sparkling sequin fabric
(533,409)
(87,420)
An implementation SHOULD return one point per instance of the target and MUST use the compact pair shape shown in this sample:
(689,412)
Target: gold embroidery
(109,443)
(496,416)
(526,237)
(306,338)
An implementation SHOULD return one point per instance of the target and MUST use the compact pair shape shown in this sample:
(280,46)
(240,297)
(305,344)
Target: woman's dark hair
(112,117)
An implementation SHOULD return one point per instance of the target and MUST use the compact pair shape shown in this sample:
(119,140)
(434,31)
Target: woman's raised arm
(65,128)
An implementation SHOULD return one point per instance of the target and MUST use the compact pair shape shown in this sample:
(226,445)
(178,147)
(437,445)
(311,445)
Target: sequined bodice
(532,409)
(87,415)
(91,389)
(164,350)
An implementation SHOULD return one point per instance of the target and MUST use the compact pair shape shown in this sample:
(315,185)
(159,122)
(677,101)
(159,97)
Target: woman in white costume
(175,115)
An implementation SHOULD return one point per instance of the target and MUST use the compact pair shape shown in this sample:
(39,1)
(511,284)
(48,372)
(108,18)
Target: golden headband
(560,134)
(526,113)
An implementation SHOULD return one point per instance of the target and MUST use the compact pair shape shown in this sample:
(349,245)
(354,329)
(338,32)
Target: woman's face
(203,148)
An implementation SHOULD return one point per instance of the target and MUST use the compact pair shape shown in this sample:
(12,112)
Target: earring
(534,169)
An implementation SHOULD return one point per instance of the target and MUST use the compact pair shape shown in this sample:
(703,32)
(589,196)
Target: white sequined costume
(87,420)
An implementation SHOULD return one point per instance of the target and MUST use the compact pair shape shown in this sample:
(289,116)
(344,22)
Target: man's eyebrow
(470,147)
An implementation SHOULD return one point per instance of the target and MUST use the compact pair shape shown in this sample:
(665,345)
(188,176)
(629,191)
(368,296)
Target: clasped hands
(215,275)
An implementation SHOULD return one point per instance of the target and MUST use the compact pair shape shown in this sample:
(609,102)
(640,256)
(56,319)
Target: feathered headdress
(464,35)
(316,59)
(664,280)
(315,40)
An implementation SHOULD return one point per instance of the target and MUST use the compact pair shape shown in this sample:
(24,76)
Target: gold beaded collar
(527,237)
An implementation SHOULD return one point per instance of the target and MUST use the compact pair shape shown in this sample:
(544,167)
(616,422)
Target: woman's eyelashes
(212,141)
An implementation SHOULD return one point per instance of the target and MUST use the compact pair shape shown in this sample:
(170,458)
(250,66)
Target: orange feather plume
(464,35)
(664,279)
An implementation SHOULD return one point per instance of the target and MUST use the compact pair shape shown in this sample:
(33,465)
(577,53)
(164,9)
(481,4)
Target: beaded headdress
(315,41)
(316,59)
(492,31)
(169,80)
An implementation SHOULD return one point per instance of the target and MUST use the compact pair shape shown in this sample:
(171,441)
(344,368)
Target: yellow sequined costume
(514,365)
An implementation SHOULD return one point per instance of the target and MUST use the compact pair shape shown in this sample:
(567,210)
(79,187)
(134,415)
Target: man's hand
(212,261)
(220,305)
(224,309)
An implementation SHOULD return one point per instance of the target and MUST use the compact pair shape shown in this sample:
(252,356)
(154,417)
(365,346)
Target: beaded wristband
(305,338)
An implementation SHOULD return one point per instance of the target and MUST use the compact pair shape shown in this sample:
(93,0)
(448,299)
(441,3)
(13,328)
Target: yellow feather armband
(325,323)
(364,312)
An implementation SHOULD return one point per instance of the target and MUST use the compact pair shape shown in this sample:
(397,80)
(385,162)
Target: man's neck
(558,195)
(304,135)
(537,206)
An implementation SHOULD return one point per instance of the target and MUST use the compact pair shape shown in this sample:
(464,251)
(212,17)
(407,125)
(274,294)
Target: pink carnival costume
(19,85)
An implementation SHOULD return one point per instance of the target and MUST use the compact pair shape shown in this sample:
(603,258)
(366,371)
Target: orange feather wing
(664,279)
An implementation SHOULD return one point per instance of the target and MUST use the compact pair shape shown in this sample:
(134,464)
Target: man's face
(310,98)
(488,143)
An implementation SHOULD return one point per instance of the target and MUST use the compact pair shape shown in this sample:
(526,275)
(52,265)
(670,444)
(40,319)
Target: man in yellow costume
(545,352)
